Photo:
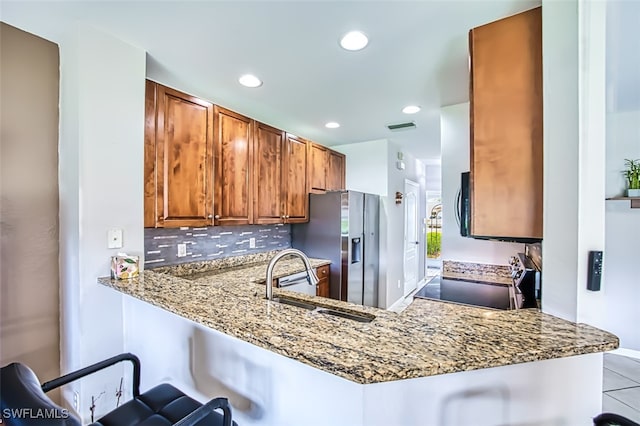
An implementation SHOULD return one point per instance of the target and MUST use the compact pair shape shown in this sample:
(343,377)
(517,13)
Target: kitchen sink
(297,303)
(353,316)
(360,317)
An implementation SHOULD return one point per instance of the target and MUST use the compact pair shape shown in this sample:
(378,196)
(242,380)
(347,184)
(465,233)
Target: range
(478,293)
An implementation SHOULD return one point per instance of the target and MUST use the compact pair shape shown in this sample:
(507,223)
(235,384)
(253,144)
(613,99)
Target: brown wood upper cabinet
(296,206)
(280,167)
(326,169)
(506,127)
(262,175)
(268,193)
(233,165)
(178,167)
(317,168)
(335,171)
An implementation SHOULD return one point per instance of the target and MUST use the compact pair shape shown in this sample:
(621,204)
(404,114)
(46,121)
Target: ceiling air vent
(402,126)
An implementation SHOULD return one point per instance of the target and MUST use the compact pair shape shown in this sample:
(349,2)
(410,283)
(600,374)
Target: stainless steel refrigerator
(343,227)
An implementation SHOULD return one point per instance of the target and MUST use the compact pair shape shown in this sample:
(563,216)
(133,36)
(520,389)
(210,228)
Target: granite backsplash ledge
(477,271)
(211,242)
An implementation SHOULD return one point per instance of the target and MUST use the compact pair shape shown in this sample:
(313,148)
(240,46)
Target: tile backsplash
(211,242)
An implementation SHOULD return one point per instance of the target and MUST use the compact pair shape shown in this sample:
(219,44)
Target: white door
(411,237)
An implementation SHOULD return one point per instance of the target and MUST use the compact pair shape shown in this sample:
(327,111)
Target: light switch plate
(114,238)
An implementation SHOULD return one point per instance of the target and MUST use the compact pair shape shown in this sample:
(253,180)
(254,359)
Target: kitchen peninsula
(285,365)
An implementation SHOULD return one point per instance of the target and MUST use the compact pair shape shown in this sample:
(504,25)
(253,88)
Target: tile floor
(621,387)
(621,378)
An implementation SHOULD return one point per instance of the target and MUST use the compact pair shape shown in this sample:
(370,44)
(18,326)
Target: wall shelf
(635,201)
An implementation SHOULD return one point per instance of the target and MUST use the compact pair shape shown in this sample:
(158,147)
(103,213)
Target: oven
(525,273)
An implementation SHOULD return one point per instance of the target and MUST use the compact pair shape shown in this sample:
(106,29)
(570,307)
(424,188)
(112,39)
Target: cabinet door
(317,168)
(268,196)
(184,159)
(506,127)
(322,289)
(234,180)
(335,171)
(295,180)
(150,187)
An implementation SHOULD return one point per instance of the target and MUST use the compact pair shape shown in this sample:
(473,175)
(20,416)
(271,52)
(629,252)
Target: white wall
(366,166)
(621,279)
(414,171)
(371,167)
(101,157)
(455,149)
(433,175)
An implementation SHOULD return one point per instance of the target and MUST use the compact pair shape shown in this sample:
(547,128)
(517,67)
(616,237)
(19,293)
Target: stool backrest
(23,403)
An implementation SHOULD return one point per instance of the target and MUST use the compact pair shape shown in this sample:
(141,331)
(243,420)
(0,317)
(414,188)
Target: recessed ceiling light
(250,80)
(411,109)
(354,40)
(332,125)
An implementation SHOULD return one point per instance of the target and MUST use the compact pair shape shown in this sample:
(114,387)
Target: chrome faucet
(311,275)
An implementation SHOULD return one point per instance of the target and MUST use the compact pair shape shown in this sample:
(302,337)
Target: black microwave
(463,205)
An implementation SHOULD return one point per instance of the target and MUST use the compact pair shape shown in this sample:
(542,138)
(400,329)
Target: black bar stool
(24,402)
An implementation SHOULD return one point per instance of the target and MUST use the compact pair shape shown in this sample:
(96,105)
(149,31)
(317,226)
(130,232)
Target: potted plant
(632,174)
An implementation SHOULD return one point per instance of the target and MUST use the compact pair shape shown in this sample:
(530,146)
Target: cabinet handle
(287,217)
(284,217)
(210,216)
(217,216)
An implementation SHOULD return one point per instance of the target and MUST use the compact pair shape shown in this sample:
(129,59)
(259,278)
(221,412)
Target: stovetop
(476,293)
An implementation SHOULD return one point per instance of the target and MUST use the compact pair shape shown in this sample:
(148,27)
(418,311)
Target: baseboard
(626,352)
(395,305)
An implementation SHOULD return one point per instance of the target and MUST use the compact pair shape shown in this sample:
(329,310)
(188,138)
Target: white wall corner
(592,163)
(561,157)
(574,153)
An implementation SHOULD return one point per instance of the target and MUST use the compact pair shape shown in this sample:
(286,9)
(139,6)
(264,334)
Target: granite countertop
(428,338)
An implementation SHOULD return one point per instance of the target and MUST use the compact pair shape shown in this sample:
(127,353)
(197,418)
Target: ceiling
(417,55)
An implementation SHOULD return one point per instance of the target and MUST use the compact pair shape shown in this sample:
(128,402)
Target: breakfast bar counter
(428,339)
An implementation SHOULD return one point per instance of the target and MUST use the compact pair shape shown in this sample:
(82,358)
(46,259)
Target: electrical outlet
(76,401)
(114,238)
(252,242)
(182,250)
